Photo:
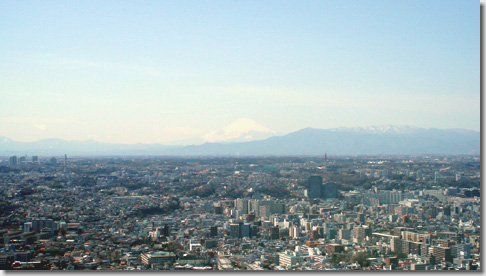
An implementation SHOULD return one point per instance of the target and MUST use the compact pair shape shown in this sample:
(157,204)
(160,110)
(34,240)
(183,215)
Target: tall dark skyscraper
(329,190)
(166,231)
(214,231)
(315,187)
(235,230)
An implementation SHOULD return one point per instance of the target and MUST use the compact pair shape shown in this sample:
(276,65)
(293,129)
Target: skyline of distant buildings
(224,213)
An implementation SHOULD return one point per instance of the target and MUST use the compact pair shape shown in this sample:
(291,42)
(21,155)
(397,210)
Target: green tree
(361,259)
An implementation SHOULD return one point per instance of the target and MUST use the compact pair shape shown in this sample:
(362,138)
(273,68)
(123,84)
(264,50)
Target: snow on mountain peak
(243,129)
(382,129)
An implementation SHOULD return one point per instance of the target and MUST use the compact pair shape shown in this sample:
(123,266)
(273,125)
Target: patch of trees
(463,183)
(401,177)
(85,181)
(6,208)
(203,191)
(135,186)
(26,191)
(157,210)
(473,166)
(233,193)
(274,191)
(360,258)
(149,211)
(398,186)
(99,171)
(56,185)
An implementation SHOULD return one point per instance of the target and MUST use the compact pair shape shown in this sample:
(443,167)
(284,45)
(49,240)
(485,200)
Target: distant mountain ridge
(404,129)
(308,141)
(54,146)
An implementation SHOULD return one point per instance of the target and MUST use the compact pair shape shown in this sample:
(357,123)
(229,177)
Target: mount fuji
(241,130)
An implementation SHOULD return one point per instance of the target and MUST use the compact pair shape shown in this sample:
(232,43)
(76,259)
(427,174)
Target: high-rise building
(442,253)
(274,233)
(314,234)
(415,247)
(344,234)
(253,206)
(424,249)
(265,211)
(166,230)
(12,161)
(331,233)
(235,230)
(211,244)
(39,224)
(214,231)
(22,161)
(329,190)
(218,209)
(264,208)
(65,162)
(242,205)
(245,230)
(254,231)
(361,232)
(53,161)
(461,249)
(314,187)
(27,226)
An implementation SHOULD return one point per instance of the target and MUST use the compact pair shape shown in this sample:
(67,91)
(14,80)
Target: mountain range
(308,141)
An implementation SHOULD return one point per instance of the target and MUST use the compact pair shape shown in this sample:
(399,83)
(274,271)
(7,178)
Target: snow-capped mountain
(241,130)
(383,129)
(350,141)
(234,140)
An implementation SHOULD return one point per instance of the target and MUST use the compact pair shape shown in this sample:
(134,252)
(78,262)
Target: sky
(165,71)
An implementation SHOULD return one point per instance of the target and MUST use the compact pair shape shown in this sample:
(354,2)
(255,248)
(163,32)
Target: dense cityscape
(240,213)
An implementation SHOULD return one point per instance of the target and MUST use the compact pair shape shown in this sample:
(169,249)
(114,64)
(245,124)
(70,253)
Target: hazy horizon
(164,71)
(200,140)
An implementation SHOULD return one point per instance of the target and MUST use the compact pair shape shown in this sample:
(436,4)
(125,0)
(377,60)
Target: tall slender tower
(65,162)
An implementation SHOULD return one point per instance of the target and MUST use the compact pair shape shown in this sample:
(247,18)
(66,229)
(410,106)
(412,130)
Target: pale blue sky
(160,71)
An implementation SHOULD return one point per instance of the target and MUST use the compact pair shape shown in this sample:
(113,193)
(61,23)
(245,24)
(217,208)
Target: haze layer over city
(233,136)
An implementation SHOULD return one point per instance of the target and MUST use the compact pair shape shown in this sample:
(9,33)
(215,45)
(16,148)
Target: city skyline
(159,72)
(357,213)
